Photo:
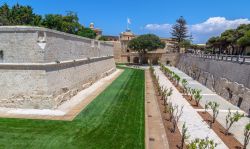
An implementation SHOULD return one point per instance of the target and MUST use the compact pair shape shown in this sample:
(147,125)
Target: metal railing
(230,58)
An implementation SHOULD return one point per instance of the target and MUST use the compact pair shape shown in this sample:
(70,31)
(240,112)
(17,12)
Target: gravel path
(197,128)
(155,132)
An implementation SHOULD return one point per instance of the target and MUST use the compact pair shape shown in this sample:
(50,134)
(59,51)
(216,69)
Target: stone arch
(136,60)
(155,60)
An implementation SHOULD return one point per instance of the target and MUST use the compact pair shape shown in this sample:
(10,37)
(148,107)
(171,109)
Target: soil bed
(192,102)
(187,97)
(229,140)
(174,139)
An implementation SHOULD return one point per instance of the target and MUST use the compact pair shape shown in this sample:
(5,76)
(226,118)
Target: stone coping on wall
(42,66)
(34,29)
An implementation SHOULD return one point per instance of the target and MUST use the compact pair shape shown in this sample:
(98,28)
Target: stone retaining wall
(230,80)
(43,72)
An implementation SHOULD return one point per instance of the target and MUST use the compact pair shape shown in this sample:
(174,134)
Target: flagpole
(127,23)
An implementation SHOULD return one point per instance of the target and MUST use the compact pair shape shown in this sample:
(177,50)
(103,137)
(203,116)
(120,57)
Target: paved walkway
(197,128)
(208,95)
(68,110)
(155,137)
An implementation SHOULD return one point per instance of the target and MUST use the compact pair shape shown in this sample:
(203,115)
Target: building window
(1,54)
(128,59)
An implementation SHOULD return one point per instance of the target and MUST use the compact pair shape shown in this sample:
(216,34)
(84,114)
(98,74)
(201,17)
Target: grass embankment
(115,119)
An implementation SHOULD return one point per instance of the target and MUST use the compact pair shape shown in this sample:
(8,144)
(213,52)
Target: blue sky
(205,17)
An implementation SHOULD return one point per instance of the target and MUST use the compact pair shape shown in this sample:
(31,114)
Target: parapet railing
(222,57)
(59,64)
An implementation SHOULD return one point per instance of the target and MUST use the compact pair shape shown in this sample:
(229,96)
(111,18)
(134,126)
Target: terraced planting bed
(115,119)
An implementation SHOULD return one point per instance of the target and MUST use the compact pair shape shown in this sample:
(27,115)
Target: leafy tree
(184,84)
(171,110)
(214,106)
(202,144)
(231,119)
(68,23)
(177,116)
(53,21)
(184,135)
(232,41)
(24,15)
(214,43)
(87,32)
(103,38)
(180,30)
(144,43)
(21,15)
(244,41)
(229,38)
(197,96)
(246,135)
(185,44)
(4,14)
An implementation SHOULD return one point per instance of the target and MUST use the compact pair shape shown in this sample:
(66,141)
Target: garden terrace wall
(42,68)
(228,79)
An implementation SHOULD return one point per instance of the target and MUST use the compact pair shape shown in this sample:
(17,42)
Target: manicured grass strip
(115,119)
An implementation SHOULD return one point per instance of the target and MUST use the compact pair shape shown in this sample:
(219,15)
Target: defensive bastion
(229,79)
(41,68)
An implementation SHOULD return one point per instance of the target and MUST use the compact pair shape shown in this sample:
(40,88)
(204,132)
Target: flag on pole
(129,21)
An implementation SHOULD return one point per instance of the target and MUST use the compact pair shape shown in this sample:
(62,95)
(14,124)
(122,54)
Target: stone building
(41,68)
(96,30)
(123,54)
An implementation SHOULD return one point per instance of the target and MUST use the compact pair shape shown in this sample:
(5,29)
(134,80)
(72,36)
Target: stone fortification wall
(228,79)
(42,68)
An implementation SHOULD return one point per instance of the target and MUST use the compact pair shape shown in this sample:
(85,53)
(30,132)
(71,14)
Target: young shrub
(171,110)
(164,96)
(206,108)
(189,91)
(215,108)
(197,97)
(202,144)
(231,119)
(192,93)
(184,135)
(246,135)
(178,78)
(177,117)
(184,85)
(170,92)
(161,92)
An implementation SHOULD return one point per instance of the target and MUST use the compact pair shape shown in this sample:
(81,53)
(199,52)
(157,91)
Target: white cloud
(158,27)
(213,26)
(217,24)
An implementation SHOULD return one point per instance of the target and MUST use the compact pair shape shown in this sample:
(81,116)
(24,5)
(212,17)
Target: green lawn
(114,120)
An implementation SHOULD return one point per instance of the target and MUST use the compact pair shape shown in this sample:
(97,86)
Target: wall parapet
(44,66)
(34,28)
(241,59)
(22,44)
(228,79)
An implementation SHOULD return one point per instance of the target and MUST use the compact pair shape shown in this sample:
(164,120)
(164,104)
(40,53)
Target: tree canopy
(147,42)
(180,30)
(144,43)
(232,41)
(24,15)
